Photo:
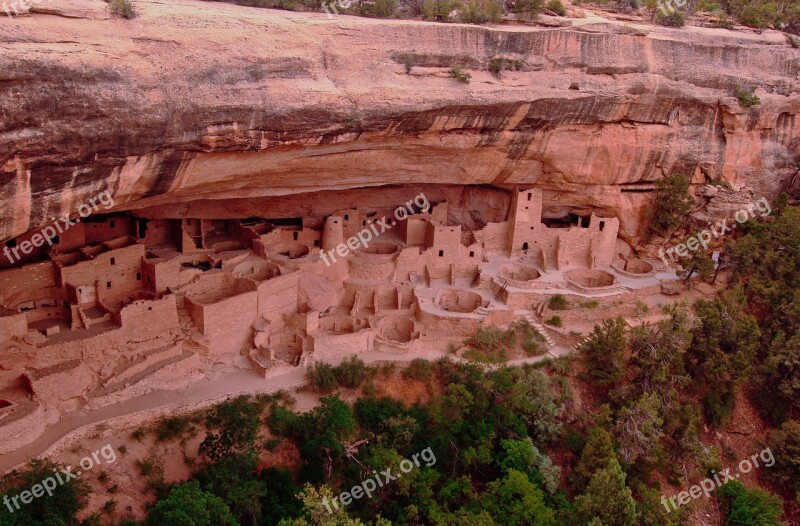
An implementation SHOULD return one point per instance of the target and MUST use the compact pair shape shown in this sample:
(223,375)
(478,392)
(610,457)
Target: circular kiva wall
(590,279)
(382,249)
(458,300)
(397,328)
(519,272)
(637,266)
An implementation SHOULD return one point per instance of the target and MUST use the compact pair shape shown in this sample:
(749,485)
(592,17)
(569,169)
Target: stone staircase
(531,318)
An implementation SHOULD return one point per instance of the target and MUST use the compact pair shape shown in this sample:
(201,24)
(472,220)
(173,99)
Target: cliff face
(204,101)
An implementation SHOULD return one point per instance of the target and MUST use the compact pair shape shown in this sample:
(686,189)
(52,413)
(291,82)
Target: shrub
(746,99)
(792,41)
(459,75)
(139,434)
(438,10)
(481,11)
(408,62)
(322,377)
(496,65)
(672,202)
(557,7)
(674,19)
(591,304)
(122,9)
(558,302)
(750,507)
(419,369)
(171,427)
(528,8)
(350,373)
(383,8)
(282,421)
(555,321)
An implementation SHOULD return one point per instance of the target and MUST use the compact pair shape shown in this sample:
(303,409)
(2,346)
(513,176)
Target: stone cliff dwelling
(124,304)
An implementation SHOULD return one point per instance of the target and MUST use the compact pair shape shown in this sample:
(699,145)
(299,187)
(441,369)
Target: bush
(171,427)
(792,41)
(496,65)
(557,7)
(408,62)
(750,507)
(438,10)
(122,9)
(481,11)
(528,8)
(419,369)
(674,19)
(322,377)
(746,99)
(558,302)
(383,8)
(672,202)
(350,373)
(459,75)
(555,321)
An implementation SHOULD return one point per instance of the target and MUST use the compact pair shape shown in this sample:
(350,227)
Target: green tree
(639,427)
(516,501)
(59,509)
(672,201)
(188,505)
(528,8)
(232,427)
(784,444)
(749,507)
(233,479)
(603,354)
(607,498)
(596,454)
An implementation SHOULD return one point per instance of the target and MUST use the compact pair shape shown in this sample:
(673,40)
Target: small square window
(108,284)
(472,253)
(441,253)
(295,235)
(113,261)
(139,276)
(346,217)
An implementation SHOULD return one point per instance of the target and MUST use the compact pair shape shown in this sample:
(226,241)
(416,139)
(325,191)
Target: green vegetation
(324,378)
(60,508)
(528,9)
(558,302)
(746,98)
(672,202)
(673,19)
(557,7)
(459,74)
(419,369)
(122,9)
(481,11)
(749,507)
(408,62)
(555,321)
(498,65)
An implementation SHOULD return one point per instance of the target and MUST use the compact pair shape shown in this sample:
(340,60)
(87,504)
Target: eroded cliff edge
(204,101)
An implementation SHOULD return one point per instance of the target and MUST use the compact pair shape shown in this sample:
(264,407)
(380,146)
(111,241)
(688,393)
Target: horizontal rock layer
(206,101)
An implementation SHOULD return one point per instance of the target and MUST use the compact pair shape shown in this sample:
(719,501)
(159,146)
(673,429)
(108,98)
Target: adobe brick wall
(149,315)
(22,431)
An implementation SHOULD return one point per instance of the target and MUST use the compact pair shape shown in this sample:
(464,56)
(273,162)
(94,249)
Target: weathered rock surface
(205,101)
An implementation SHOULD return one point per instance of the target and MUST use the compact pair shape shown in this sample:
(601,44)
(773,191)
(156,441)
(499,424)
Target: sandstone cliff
(197,100)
